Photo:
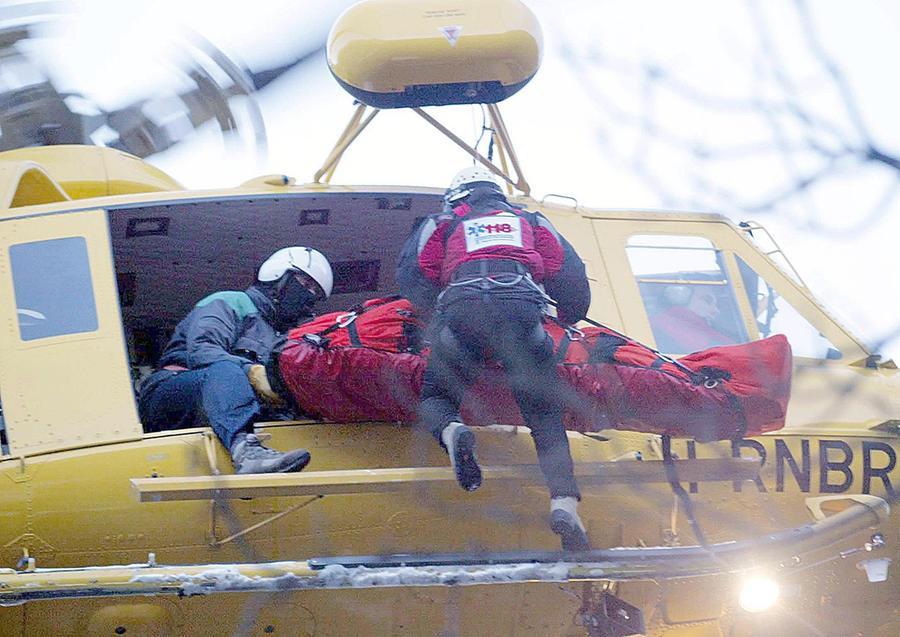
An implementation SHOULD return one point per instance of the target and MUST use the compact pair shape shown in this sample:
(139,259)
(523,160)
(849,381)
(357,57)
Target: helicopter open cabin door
(64,376)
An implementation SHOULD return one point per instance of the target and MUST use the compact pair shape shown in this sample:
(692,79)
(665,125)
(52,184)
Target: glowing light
(759,594)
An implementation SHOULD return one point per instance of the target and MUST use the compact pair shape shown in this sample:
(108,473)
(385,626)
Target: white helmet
(677,294)
(462,183)
(298,259)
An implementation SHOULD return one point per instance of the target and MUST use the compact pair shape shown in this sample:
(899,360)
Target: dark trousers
(471,327)
(219,395)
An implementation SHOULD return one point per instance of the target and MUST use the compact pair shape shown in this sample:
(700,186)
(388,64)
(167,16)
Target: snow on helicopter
(107,529)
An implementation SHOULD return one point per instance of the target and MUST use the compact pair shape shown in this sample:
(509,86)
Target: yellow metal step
(408,478)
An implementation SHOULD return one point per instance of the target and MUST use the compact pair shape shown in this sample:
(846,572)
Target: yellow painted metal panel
(82,513)
(74,389)
(539,610)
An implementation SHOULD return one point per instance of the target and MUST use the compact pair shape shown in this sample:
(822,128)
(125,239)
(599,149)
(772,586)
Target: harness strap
(497,280)
(571,334)
(563,349)
(353,333)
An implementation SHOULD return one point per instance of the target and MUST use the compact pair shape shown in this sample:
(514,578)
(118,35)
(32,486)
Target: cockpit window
(774,315)
(687,294)
(54,293)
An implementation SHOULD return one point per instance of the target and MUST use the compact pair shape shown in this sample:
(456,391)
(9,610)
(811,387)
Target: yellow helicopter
(105,529)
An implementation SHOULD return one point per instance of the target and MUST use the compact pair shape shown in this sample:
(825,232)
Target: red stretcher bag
(614,383)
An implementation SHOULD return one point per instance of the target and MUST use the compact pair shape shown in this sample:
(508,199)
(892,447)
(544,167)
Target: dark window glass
(52,282)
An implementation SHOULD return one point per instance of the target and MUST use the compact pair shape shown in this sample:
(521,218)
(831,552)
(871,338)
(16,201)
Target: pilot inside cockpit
(688,322)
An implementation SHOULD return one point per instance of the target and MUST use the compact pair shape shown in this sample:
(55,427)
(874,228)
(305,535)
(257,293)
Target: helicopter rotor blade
(36,113)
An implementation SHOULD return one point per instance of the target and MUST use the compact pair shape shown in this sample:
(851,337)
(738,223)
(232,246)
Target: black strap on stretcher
(347,320)
(569,330)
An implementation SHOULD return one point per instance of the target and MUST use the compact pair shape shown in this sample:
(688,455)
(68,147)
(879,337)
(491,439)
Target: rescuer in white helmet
(490,269)
(214,368)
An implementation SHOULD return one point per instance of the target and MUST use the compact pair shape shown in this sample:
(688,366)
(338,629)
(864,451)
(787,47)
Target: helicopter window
(53,289)
(686,292)
(774,315)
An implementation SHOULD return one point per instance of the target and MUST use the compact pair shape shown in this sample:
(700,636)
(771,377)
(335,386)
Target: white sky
(564,132)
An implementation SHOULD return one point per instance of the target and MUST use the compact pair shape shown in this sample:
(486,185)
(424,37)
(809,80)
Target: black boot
(460,443)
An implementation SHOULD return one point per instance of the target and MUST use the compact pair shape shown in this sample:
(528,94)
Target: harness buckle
(316,341)
(346,319)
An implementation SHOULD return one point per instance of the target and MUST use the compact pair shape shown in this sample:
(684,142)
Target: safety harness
(492,273)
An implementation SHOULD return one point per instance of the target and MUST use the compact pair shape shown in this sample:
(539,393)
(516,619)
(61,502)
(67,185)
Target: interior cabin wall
(169,256)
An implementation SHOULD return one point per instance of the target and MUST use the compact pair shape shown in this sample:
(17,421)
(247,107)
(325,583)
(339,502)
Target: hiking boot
(251,456)
(567,525)
(460,443)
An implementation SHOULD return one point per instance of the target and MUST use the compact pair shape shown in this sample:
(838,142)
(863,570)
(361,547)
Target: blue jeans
(219,395)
